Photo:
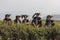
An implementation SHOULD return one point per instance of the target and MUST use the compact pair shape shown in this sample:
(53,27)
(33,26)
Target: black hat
(7,15)
(49,16)
(37,13)
(24,16)
(18,16)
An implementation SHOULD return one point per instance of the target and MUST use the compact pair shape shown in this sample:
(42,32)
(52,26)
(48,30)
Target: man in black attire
(17,20)
(7,19)
(49,21)
(37,22)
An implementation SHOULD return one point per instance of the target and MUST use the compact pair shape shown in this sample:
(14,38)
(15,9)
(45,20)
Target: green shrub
(27,32)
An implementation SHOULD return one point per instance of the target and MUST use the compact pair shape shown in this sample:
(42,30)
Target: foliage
(28,32)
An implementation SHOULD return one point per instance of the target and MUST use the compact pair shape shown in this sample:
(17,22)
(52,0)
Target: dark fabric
(25,21)
(7,20)
(17,21)
(37,21)
(49,22)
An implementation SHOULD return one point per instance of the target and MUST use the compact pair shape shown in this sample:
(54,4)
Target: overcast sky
(29,7)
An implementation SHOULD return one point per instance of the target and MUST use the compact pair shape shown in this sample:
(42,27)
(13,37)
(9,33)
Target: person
(17,20)
(7,19)
(49,21)
(25,20)
(36,22)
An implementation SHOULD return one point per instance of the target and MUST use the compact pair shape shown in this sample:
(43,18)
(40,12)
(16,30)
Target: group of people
(36,20)
(17,20)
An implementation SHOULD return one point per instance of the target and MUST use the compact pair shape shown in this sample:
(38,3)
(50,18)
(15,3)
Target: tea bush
(28,32)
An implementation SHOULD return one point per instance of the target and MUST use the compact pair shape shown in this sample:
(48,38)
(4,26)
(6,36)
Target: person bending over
(36,22)
(7,19)
(49,21)
(25,19)
(17,20)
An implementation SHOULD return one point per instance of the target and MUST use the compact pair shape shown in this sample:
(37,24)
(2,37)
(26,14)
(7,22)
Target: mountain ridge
(55,17)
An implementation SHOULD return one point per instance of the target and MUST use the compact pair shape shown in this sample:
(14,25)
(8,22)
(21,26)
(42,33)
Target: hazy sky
(18,7)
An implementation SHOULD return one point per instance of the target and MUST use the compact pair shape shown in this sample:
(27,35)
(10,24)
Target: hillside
(55,17)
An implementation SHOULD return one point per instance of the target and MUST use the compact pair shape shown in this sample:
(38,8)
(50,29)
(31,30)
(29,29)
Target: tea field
(28,32)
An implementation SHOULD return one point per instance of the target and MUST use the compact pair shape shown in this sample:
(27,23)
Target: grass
(28,32)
